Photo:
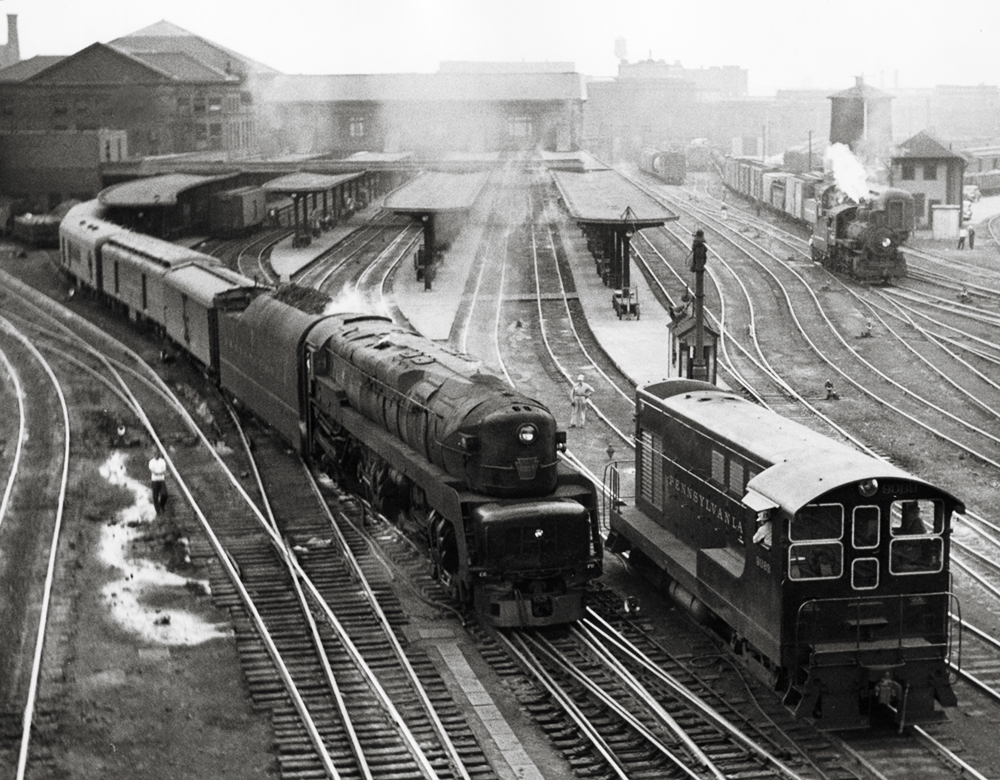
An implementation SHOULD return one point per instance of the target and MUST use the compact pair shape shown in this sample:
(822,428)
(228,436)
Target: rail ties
(305,525)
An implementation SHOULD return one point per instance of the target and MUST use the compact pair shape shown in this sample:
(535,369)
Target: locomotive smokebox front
(508,450)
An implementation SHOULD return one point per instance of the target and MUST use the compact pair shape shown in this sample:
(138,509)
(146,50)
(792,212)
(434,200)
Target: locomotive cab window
(897,218)
(917,546)
(816,551)
(864,573)
(865,530)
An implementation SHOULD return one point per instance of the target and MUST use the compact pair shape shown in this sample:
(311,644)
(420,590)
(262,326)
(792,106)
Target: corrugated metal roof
(425,87)
(437,191)
(155,190)
(605,196)
(303,181)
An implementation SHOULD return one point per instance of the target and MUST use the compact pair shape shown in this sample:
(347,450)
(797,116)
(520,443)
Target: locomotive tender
(428,437)
(824,568)
(862,240)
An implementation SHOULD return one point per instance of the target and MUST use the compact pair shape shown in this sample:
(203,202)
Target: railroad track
(363,650)
(618,704)
(32,521)
(398,712)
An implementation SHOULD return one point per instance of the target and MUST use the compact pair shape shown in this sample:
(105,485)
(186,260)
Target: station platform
(638,346)
(287,260)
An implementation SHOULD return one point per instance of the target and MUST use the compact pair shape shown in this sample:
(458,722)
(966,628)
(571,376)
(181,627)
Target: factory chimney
(10,54)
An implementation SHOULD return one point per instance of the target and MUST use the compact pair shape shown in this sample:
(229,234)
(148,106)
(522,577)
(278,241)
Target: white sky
(783,43)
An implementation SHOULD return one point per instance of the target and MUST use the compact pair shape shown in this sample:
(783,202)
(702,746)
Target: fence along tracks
(261,569)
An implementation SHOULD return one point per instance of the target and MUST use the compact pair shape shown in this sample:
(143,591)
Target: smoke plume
(848,172)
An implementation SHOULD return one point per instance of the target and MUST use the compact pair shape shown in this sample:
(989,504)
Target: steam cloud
(848,172)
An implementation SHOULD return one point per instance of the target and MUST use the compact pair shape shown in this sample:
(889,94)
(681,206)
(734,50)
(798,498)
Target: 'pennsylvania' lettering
(704,502)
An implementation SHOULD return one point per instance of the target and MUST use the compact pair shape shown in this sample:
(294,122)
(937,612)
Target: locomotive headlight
(526,433)
(868,487)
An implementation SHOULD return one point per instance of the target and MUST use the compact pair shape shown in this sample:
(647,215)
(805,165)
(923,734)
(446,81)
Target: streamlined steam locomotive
(825,569)
(425,434)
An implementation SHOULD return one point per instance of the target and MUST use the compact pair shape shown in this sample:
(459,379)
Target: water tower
(861,118)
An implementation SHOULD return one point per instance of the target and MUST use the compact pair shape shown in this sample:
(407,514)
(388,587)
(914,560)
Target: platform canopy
(154,190)
(434,191)
(302,181)
(605,197)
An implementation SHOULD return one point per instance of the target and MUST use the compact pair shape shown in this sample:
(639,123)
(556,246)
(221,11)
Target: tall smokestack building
(10,54)
(861,118)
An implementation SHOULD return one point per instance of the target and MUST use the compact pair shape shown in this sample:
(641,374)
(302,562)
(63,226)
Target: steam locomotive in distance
(864,240)
(424,433)
(669,165)
(861,239)
(825,569)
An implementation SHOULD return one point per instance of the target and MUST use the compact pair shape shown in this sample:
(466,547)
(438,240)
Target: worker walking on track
(579,396)
(158,480)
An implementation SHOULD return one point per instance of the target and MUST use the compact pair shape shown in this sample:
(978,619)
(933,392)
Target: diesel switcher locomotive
(825,569)
(428,436)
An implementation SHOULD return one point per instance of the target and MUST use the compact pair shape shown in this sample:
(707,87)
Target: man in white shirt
(158,480)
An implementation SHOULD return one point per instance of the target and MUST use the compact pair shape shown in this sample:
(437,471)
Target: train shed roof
(606,197)
(437,191)
(154,190)
(303,181)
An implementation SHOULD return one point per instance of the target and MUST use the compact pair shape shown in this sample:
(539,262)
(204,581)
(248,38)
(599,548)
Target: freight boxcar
(232,212)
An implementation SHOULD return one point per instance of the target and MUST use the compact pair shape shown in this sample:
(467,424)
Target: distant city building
(661,104)
(465,107)
(714,83)
(168,89)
